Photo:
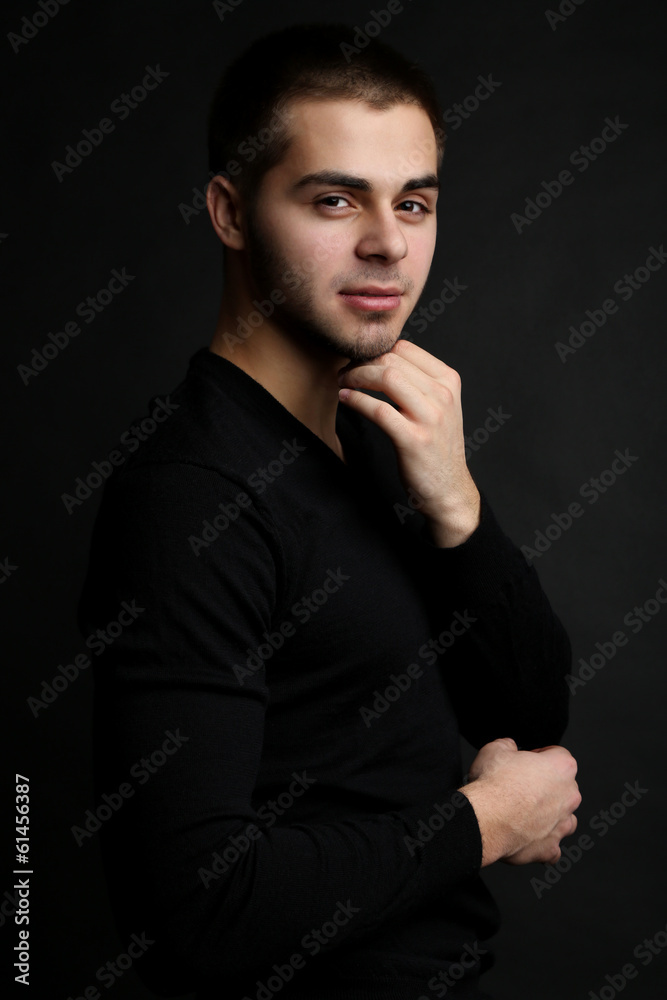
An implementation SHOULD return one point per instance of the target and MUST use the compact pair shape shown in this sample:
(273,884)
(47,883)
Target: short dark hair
(247,126)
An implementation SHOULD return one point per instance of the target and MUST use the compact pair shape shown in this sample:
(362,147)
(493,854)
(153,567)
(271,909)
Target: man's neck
(301,379)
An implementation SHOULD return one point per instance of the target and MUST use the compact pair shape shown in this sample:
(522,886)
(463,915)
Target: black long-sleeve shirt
(282,704)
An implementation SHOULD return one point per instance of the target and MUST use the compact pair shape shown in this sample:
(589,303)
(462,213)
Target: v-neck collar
(348,426)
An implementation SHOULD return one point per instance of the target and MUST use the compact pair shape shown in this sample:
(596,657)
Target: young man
(321,600)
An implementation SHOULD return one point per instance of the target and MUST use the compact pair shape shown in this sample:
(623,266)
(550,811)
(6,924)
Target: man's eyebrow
(333,178)
(427,181)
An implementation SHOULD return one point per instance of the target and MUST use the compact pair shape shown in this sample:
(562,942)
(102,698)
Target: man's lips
(372,298)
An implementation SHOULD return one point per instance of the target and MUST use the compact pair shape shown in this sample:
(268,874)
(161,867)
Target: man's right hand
(524,801)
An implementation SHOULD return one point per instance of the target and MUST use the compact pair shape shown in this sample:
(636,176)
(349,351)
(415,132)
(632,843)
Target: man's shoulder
(209,420)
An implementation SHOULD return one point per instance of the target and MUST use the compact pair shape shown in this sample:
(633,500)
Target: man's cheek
(291,280)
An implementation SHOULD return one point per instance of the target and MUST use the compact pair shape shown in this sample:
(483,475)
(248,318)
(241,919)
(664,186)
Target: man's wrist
(454,525)
(492,828)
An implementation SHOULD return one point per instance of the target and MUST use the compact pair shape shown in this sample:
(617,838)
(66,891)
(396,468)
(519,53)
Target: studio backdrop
(547,296)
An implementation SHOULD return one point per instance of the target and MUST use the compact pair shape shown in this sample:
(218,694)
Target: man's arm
(189,860)
(506,673)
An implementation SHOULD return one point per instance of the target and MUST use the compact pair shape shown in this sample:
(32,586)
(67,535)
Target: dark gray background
(120,208)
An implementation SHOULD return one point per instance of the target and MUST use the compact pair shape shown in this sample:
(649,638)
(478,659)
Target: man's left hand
(426,431)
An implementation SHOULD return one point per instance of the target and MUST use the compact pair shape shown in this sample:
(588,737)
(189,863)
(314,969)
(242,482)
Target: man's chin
(372,343)
(360,353)
(364,339)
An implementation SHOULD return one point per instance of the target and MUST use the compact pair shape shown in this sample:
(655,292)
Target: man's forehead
(352,138)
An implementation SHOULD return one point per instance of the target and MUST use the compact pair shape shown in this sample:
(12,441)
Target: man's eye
(327,201)
(417,207)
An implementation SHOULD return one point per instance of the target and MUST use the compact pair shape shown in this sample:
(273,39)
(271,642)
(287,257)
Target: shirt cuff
(479,567)
(445,840)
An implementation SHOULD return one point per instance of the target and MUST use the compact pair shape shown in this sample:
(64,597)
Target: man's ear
(225,209)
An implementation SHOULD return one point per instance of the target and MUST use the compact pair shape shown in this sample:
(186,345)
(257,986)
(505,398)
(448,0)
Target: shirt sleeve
(189,861)
(506,668)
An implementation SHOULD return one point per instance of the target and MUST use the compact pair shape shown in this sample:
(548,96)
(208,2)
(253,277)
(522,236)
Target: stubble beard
(374,333)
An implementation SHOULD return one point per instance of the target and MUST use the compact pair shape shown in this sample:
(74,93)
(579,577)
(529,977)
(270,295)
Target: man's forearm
(456,523)
(506,673)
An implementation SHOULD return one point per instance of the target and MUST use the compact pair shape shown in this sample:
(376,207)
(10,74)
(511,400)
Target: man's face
(345,225)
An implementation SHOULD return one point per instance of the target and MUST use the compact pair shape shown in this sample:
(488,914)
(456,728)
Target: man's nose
(383,237)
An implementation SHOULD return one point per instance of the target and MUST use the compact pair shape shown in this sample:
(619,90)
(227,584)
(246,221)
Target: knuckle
(553,855)
(392,376)
(423,436)
(447,394)
(382,409)
(454,378)
(562,827)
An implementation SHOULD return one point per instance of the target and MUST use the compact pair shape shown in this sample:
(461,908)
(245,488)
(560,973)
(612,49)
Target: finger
(564,828)
(381,413)
(412,391)
(508,740)
(487,752)
(424,361)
